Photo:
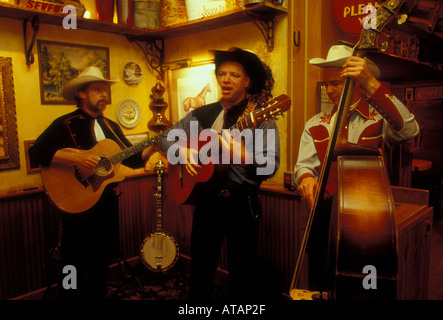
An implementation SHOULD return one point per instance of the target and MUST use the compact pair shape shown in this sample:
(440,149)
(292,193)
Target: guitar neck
(136,148)
(270,111)
(247,122)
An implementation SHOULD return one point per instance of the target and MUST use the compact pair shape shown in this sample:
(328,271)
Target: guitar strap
(117,139)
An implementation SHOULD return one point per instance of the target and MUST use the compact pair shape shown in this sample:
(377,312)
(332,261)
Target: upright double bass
(362,262)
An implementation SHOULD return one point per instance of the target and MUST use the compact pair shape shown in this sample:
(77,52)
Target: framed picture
(60,62)
(9,153)
(191,88)
(30,168)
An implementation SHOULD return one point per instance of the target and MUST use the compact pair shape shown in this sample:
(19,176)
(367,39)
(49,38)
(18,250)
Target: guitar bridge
(80,177)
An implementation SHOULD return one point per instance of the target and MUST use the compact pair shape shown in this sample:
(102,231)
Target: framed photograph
(30,168)
(9,153)
(60,62)
(191,88)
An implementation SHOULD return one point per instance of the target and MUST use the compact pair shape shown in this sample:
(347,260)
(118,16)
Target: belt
(224,193)
(253,198)
(238,191)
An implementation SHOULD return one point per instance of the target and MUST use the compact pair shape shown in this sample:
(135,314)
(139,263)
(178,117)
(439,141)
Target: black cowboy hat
(250,62)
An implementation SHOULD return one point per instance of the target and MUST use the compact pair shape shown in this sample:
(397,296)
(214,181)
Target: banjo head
(159,251)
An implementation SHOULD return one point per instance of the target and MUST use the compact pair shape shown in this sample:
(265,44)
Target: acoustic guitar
(186,188)
(74,190)
(159,251)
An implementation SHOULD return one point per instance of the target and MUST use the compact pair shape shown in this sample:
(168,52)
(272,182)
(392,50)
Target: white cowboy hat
(89,75)
(337,57)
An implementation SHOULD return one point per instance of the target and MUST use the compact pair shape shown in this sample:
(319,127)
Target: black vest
(207,115)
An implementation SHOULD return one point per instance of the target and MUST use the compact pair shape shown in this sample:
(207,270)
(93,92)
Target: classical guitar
(187,188)
(74,190)
(159,251)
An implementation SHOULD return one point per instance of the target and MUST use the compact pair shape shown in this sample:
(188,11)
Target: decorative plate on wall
(132,74)
(129,113)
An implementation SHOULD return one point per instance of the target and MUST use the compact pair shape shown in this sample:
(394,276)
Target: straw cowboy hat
(250,62)
(337,57)
(89,75)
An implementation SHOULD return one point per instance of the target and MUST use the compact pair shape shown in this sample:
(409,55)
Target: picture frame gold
(30,168)
(60,62)
(192,85)
(9,152)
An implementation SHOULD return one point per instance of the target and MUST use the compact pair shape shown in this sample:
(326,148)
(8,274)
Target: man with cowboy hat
(376,117)
(231,211)
(90,239)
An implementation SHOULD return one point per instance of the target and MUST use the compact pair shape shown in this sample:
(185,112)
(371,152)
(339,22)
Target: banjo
(159,251)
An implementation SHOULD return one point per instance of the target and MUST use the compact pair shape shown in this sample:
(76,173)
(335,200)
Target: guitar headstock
(272,109)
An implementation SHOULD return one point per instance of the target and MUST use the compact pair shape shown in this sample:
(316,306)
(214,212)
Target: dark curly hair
(261,97)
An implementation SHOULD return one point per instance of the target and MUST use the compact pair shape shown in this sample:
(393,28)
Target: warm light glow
(87,15)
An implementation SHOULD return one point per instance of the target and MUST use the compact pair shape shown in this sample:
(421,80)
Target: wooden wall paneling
(281,231)
(29,228)
(36,240)
(17,243)
(6,251)
(178,221)
(136,213)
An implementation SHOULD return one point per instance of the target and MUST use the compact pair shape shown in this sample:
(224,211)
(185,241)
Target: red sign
(351,15)
(429,93)
(49,7)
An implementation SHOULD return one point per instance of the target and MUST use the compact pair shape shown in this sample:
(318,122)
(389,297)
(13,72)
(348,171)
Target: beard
(98,107)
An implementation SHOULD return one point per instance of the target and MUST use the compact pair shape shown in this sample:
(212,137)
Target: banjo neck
(159,168)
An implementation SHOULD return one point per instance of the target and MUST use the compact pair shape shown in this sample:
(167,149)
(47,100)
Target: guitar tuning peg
(402,18)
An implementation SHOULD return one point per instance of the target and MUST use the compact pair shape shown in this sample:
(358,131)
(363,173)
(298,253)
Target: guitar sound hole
(104,167)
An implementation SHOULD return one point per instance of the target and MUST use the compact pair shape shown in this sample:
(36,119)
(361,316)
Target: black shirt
(76,130)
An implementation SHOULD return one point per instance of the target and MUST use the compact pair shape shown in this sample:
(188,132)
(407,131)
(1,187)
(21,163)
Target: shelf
(264,11)
(394,68)
(262,14)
